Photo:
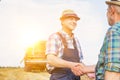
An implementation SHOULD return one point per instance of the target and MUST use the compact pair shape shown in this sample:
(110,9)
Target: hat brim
(113,3)
(64,17)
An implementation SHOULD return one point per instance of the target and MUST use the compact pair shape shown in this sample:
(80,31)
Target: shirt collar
(65,34)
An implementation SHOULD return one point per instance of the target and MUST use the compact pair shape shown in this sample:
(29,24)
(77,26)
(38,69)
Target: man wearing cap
(108,66)
(63,50)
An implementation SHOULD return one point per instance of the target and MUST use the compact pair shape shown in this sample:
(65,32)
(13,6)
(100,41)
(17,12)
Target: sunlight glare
(29,38)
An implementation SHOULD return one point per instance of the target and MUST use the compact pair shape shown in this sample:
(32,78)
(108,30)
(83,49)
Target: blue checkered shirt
(109,57)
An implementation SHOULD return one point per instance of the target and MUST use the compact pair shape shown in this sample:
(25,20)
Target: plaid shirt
(55,46)
(109,57)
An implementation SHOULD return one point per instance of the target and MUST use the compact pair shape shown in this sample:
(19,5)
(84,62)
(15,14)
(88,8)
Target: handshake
(80,69)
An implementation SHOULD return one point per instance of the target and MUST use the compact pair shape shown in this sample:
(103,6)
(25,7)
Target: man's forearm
(90,69)
(58,62)
(112,75)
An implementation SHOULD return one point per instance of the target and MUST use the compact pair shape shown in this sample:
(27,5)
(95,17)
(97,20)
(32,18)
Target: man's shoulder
(114,30)
(54,36)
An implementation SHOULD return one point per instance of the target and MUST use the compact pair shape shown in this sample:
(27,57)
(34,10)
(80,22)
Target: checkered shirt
(55,46)
(109,57)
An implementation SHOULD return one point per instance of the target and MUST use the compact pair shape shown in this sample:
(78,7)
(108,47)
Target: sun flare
(29,38)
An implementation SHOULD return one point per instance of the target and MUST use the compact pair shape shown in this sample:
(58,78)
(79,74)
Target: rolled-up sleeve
(112,59)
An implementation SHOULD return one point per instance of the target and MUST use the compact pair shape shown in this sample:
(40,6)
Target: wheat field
(20,74)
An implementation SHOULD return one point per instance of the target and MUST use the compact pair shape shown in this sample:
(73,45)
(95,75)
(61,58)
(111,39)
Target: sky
(24,22)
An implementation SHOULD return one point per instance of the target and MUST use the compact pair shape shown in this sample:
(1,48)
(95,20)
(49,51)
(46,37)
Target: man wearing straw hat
(108,66)
(63,50)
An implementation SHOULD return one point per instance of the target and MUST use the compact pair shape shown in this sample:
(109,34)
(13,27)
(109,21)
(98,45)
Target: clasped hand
(80,69)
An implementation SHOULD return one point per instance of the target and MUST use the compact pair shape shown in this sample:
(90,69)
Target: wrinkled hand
(78,69)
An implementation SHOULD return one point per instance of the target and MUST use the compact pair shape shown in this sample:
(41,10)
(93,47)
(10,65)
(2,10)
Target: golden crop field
(20,74)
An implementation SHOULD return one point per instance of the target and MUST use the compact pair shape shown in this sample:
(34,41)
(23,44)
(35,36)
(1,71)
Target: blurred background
(24,22)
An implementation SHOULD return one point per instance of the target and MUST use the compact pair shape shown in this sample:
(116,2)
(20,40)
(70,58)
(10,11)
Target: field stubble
(20,74)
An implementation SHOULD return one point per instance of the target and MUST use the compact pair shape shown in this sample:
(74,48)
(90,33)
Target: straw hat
(69,13)
(113,2)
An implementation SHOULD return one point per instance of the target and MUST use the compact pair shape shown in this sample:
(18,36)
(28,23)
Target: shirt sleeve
(52,45)
(112,59)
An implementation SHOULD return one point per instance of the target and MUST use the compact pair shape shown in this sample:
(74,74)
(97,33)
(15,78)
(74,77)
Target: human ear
(112,10)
